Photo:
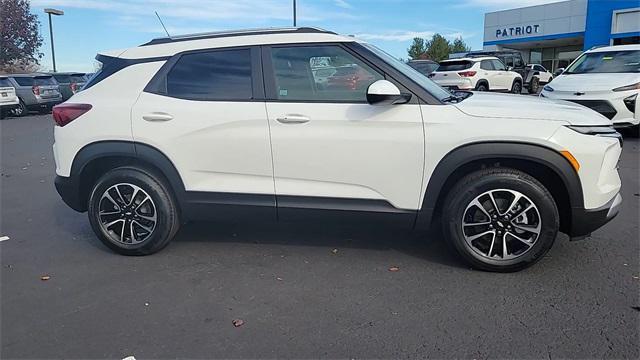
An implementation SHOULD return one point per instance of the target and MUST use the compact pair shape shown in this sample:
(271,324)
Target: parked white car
(605,79)
(477,73)
(233,125)
(8,98)
(544,75)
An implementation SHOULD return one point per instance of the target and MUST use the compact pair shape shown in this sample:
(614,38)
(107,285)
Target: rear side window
(216,75)
(4,82)
(24,81)
(44,80)
(455,65)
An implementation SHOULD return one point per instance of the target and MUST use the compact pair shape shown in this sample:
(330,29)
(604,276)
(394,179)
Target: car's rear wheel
(132,211)
(516,88)
(20,110)
(482,87)
(500,219)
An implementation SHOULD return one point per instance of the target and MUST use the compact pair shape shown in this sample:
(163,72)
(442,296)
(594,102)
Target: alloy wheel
(127,214)
(501,224)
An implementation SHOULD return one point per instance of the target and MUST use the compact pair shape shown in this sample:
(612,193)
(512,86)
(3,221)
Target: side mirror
(384,92)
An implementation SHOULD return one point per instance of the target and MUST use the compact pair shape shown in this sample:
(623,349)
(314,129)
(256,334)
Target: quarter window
(216,75)
(320,73)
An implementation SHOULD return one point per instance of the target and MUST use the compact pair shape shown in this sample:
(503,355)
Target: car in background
(424,67)
(514,62)
(8,98)
(69,82)
(477,73)
(544,76)
(558,72)
(37,92)
(350,77)
(605,79)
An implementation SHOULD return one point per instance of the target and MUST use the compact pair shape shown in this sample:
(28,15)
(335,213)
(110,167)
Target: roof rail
(230,33)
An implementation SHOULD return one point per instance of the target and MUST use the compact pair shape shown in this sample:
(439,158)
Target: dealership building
(555,34)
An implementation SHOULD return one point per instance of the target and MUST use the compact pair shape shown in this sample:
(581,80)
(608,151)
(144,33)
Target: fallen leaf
(335,251)
(279,278)
(394,269)
(45,277)
(146,304)
(130,357)
(237,322)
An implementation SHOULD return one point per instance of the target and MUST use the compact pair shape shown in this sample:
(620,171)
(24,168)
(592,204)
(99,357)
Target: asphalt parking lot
(303,291)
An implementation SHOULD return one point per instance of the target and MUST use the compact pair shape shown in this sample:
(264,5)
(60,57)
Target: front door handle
(157,116)
(293,119)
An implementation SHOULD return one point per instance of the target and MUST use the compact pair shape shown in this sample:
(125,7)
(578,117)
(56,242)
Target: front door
(331,149)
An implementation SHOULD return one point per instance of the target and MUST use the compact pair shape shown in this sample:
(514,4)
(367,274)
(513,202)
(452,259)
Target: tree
(438,48)
(20,38)
(459,46)
(417,48)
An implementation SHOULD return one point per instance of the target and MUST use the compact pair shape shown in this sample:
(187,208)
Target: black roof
(221,34)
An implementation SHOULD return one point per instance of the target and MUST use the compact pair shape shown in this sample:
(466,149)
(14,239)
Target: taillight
(66,113)
(36,90)
(467,73)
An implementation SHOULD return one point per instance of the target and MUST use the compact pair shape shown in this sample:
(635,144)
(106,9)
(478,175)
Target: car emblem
(578,93)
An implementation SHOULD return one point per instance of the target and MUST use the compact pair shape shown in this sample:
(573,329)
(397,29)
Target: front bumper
(609,104)
(584,222)
(69,191)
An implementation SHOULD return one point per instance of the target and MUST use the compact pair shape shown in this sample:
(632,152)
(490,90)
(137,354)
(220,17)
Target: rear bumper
(585,221)
(69,191)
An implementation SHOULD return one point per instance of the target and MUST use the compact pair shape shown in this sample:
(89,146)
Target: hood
(593,82)
(529,108)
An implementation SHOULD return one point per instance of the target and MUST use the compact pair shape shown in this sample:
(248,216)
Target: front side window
(508,60)
(320,73)
(486,65)
(216,75)
(498,65)
(606,62)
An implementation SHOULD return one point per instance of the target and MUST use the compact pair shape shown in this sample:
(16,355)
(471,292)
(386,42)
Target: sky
(90,26)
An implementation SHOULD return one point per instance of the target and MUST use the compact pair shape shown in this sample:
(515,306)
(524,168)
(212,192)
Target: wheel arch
(482,81)
(543,163)
(95,159)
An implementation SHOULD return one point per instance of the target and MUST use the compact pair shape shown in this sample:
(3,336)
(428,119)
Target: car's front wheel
(132,211)
(21,110)
(534,86)
(500,219)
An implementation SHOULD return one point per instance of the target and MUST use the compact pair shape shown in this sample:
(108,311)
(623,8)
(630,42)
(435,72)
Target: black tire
(534,86)
(482,86)
(516,87)
(45,110)
(164,209)
(476,184)
(21,110)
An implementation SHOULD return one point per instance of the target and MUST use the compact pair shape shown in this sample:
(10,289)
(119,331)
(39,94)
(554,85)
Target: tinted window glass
(486,65)
(454,65)
(216,75)
(5,83)
(517,62)
(606,62)
(498,65)
(24,81)
(508,60)
(44,80)
(63,79)
(320,73)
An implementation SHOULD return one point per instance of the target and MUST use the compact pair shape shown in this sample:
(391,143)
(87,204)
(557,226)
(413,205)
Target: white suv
(605,79)
(485,73)
(221,125)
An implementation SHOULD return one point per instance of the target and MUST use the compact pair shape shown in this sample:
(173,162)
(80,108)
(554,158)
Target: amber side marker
(567,155)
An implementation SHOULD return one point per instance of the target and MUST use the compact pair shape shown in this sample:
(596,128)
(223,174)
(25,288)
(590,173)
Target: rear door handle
(293,119)
(157,116)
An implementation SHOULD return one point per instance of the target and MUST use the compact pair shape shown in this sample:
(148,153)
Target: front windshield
(426,83)
(606,62)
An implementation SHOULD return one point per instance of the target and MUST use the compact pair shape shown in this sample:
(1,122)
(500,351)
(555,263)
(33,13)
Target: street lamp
(294,13)
(53,52)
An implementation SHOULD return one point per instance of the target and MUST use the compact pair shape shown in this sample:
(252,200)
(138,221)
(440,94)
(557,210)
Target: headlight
(635,86)
(547,88)
(603,130)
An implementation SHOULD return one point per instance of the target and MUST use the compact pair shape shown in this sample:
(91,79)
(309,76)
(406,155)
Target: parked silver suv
(37,92)
(69,82)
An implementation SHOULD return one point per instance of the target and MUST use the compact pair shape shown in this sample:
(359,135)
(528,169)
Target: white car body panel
(501,80)
(8,96)
(349,151)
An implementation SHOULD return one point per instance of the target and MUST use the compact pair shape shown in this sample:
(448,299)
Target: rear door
(331,149)
(205,111)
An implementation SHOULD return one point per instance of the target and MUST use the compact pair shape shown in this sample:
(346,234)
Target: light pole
(294,13)
(53,52)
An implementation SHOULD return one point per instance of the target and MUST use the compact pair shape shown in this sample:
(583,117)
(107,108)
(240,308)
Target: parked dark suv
(69,82)
(513,59)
